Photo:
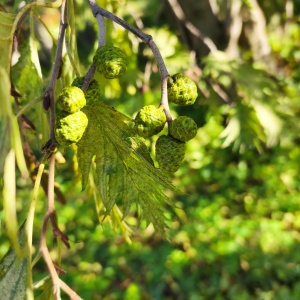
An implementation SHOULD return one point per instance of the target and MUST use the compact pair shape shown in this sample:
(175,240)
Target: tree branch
(49,92)
(147,39)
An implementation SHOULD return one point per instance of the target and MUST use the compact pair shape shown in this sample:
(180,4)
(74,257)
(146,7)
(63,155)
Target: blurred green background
(234,232)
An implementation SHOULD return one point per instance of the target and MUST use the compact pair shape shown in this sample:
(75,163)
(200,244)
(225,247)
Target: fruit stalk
(147,39)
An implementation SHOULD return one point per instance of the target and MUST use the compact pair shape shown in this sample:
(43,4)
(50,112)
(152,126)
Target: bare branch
(147,39)
(49,92)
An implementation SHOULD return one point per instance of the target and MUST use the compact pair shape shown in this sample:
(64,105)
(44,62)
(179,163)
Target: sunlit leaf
(270,121)
(124,175)
(28,67)
(244,128)
(6,40)
(9,121)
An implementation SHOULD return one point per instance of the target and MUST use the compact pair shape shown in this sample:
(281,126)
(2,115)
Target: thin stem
(50,213)
(45,26)
(30,215)
(147,39)
(101,42)
(164,80)
(98,10)
(29,105)
(102,31)
(48,216)
(25,9)
(164,99)
(46,255)
(69,291)
(56,68)
(88,77)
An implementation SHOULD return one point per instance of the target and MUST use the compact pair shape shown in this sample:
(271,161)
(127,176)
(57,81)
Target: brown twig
(50,213)
(147,39)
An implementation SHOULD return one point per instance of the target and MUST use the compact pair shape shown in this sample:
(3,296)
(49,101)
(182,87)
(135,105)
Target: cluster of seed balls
(71,122)
(110,61)
(150,120)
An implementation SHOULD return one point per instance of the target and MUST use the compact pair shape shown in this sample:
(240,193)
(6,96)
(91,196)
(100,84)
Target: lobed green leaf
(124,175)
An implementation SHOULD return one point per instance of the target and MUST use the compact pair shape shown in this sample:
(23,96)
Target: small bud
(110,61)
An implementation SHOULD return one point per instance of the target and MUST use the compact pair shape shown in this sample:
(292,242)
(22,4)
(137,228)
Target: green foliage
(253,116)
(14,272)
(123,175)
(234,229)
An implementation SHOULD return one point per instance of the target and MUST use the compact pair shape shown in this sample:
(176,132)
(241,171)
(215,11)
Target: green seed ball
(110,61)
(169,153)
(182,90)
(69,128)
(92,93)
(183,128)
(149,121)
(71,99)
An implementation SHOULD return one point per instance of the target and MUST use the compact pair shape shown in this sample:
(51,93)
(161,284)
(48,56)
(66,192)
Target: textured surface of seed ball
(149,121)
(92,93)
(182,90)
(71,99)
(110,61)
(169,153)
(70,127)
(183,128)
(137,144)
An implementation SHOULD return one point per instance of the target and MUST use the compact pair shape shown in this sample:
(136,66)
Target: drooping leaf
(5,144)
(124,175)
(28,67)
(13,272)
(6,40)
(9,121)
(9,200)
(244,128)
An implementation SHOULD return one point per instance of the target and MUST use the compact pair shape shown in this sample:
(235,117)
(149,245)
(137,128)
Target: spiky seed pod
(183,128)
(182,90)
(110,61)
(149,121)
(70,127)
(71,99)
(137,144)
(92,93)
(169,153)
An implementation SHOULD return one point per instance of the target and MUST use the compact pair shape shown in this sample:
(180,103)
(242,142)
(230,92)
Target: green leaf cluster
(123,175)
